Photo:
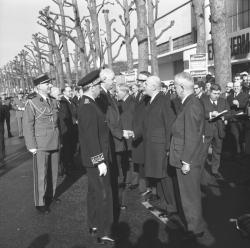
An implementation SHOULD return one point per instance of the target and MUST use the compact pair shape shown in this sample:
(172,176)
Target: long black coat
(93,133)
(156,135)
(138,118)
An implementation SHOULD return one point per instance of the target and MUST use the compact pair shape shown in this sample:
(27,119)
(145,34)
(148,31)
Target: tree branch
(165,29)
(118,37)
(66,16)
(120,34)
(122,21)
(119,3)
(118,52)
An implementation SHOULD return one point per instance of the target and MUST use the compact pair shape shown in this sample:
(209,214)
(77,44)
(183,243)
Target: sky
(18,21)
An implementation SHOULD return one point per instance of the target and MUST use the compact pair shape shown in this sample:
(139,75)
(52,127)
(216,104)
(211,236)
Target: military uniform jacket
(40,124)
(93,133)
(17,104)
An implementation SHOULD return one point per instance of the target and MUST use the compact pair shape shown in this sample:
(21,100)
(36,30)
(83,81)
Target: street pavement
(65,227)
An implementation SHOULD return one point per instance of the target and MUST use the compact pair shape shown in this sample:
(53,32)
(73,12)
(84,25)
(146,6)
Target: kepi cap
(90,79)
(41,79)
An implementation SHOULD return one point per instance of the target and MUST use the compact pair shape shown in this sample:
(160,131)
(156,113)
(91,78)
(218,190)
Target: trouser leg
(165,189)
(189,188)
(54,168)
(40,165)
(99,202)
(216,153)
(20,126)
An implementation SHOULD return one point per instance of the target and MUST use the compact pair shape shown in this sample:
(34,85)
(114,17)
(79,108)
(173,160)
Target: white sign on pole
(198,65)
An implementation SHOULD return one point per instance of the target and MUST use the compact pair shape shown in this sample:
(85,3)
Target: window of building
(238,14)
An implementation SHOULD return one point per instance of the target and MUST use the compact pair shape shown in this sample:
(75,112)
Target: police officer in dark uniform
(95,150)
(41,134)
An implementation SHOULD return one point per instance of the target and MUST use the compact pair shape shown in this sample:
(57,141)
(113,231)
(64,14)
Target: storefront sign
(198,65)
(239,44)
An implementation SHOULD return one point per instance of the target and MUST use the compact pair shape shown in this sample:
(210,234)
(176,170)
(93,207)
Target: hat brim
(45,81)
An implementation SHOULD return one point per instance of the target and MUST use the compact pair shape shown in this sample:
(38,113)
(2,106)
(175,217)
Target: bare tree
(142,35)
(63,38)
(49,24)
(222,60)
(125,20)
(199,9)
(152,18)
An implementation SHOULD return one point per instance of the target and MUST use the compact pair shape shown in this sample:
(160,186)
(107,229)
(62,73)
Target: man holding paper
(216,109)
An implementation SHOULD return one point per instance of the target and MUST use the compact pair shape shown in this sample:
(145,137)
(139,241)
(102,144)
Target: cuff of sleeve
(97,159)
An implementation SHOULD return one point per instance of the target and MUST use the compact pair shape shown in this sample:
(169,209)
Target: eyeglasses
(196,88)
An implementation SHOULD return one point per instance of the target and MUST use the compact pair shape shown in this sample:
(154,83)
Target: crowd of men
(146,135)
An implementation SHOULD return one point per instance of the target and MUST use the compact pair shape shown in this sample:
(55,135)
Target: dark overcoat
(156,135)
(138,118)
(93,133)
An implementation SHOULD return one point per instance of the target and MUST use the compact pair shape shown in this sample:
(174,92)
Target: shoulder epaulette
(32,95)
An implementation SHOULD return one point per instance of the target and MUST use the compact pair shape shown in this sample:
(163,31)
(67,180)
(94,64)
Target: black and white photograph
(124,123)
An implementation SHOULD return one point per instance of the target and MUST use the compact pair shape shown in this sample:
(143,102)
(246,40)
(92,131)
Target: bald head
(184,84)
(152,85)
(107,77)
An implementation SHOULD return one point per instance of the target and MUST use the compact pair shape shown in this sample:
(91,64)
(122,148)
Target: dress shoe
(192,236)
(105,240)
(148,191)
(123,207)
(133,187)
(43,209)
(218,175)
(153,198)
(57,200)
(93,231)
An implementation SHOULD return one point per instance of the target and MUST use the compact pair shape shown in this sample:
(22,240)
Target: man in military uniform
(18,105)
(95,150)
(42,139)
(7,107)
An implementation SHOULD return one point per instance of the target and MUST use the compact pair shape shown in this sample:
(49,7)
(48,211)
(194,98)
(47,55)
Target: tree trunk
(58,58)
(152,39)
(141,35)
(65,44)
(39,56)
(91,44)
(84,65)
(222,59)
(128,36)
(95,27)
(76,58)
(108,38)
(200,21)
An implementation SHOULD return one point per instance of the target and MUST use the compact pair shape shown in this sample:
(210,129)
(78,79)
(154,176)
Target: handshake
(128,134)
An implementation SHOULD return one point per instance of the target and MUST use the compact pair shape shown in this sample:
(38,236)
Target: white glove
(102,169)
(33,150)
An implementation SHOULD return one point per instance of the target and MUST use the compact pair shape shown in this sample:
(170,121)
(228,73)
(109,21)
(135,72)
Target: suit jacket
(93,133)
(187,134)
(40,124)
(156,135)
(127,109)
(217,123)
(242,99)
(65,118)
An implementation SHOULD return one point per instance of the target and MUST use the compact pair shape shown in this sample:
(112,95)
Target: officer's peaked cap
(41,79)
(90,79)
